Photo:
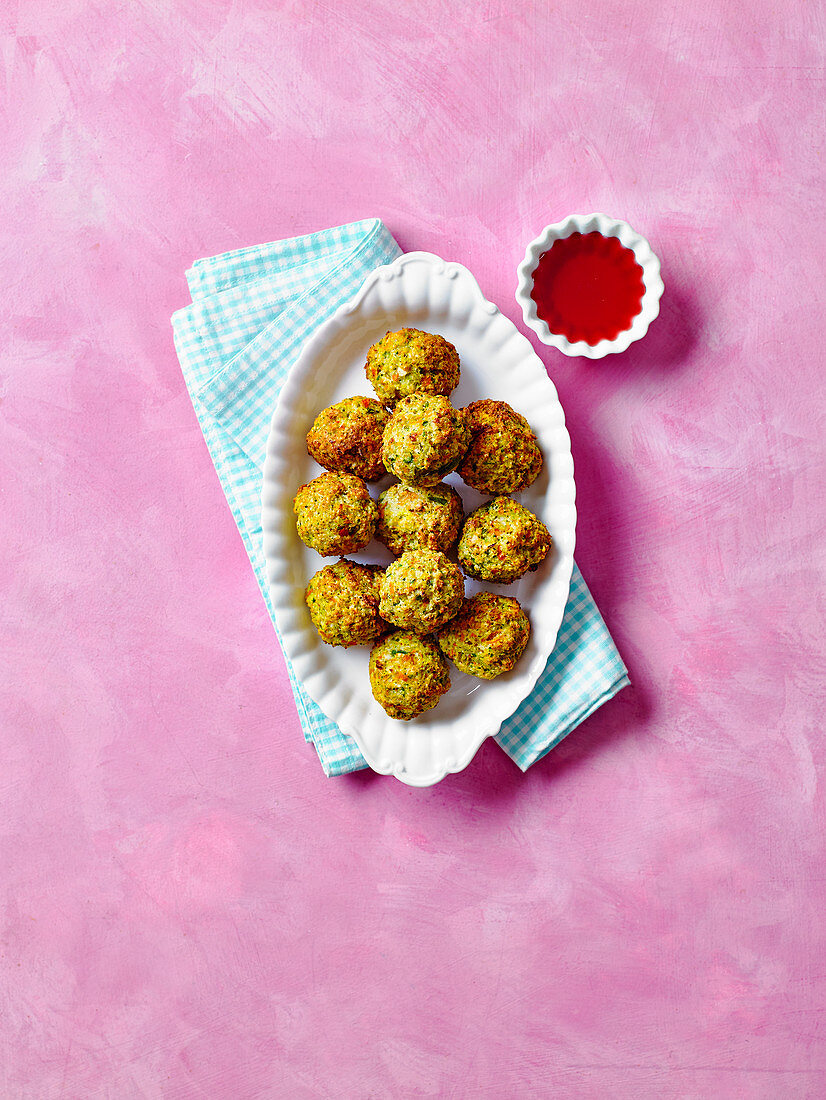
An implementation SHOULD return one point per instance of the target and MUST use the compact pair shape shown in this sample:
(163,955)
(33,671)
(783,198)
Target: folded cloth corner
(252,311)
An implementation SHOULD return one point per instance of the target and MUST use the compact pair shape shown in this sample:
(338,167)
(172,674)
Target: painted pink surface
(190,909)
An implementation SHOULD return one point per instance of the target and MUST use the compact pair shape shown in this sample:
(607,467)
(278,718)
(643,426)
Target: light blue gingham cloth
(252,310)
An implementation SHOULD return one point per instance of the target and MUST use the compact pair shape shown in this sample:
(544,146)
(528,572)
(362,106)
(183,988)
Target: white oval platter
(422,291)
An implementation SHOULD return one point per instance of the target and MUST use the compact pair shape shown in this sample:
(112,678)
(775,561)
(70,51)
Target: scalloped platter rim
(419,290)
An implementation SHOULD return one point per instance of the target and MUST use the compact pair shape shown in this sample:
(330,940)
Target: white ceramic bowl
(608,227)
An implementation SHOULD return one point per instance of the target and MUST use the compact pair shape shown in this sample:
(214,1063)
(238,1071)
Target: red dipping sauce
(588,287)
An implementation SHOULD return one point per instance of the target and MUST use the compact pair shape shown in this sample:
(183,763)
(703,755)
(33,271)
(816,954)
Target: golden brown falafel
(343,599)
(347,437)
(411,361)
(487,637)
(411,518)
(335,514)
(501,541)
(424,440)
(408,674)
(421,591)
(503,455)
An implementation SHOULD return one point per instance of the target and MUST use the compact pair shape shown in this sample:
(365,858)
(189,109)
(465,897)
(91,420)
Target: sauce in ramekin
(588,287)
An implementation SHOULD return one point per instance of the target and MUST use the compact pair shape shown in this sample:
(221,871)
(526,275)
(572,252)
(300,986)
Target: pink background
(189,908)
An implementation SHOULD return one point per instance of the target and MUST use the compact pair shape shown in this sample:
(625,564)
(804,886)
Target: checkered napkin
(252,310)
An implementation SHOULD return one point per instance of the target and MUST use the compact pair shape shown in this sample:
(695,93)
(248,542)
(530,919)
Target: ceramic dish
(608,227)
(421,291)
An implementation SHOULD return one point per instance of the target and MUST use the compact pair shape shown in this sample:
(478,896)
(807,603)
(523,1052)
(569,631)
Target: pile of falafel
(414,612)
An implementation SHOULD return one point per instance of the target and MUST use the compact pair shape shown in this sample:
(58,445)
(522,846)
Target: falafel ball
(412,361)
(424,440)
(487,637)
(501,541)
(346,437)
(421,591)
(335,514)
(343,599)
(408,674)
(503,455)
(411,518)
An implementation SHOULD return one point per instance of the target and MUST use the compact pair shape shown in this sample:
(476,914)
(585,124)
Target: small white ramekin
(608,227)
